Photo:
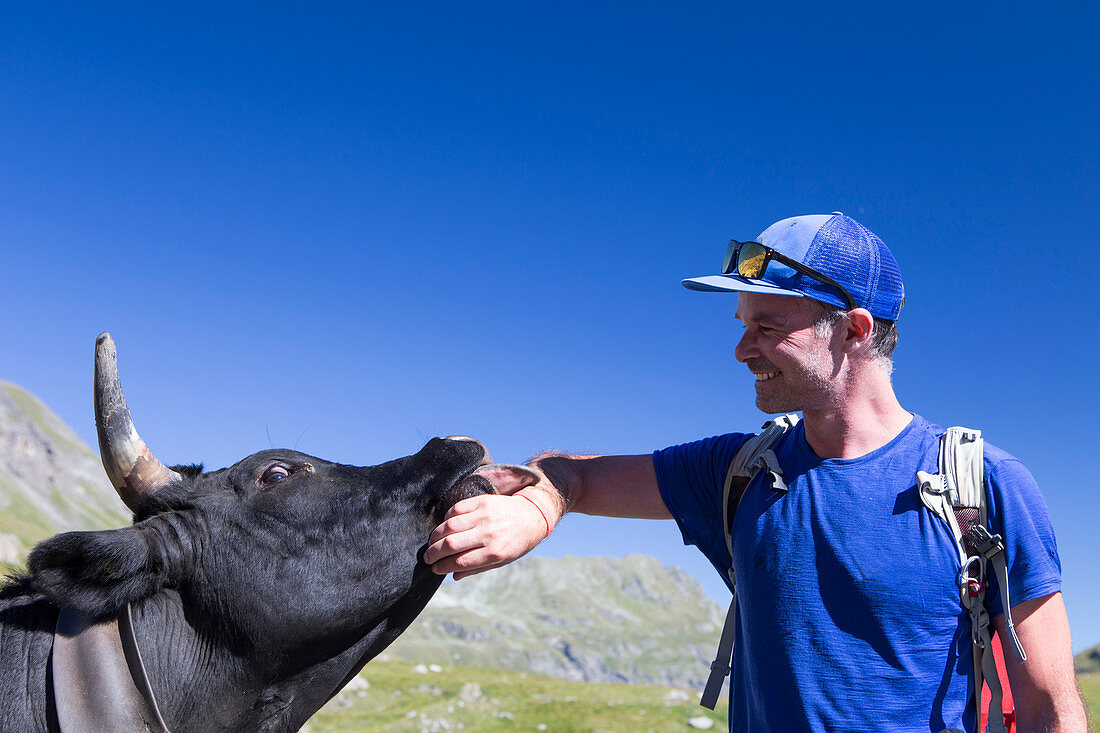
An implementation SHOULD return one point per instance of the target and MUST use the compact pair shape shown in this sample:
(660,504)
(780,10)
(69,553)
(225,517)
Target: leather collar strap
(99,680)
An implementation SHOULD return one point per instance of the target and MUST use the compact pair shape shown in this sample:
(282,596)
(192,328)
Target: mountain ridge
(626,619)
(50,481)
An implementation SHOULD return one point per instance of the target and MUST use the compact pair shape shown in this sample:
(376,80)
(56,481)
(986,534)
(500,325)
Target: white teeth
(765,376)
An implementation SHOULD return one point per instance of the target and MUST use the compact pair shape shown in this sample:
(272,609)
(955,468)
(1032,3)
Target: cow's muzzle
(466,488)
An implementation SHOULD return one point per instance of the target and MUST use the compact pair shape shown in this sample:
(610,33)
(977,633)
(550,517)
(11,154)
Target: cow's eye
(274,475)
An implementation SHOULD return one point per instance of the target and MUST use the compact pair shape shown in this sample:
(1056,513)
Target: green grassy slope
(1090,688)
(399,698)
(1087,664)
(466,698)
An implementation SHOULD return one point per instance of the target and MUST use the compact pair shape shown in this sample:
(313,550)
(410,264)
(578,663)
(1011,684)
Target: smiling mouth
(765,376)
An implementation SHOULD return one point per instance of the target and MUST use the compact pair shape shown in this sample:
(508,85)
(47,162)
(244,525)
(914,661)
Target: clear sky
(349,231)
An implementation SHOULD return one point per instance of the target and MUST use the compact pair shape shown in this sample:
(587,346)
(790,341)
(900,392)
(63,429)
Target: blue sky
(349,231)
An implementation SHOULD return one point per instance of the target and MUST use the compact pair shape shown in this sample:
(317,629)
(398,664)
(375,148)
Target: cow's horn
(132,468)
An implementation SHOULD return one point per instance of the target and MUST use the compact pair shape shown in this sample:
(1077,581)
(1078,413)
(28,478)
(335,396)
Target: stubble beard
(781,402)
(807,390)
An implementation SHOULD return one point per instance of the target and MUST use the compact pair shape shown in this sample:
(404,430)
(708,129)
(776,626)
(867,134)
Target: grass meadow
(402,696)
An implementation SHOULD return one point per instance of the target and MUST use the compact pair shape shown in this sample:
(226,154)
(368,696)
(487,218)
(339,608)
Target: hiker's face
(795,364)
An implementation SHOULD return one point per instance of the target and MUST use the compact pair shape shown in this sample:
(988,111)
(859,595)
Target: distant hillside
(587,619)
(1087,664)
(1088,661)
(49,479)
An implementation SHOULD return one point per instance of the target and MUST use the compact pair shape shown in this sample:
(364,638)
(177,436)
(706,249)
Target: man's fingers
(451,544)
(465,506)
(452,525)
(467,563)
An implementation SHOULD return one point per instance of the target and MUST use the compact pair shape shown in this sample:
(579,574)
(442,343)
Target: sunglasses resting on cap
(830,258)
(751,259)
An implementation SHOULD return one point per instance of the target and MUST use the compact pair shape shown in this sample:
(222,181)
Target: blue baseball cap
(833,245)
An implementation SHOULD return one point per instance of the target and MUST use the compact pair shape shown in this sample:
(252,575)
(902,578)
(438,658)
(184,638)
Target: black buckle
(986,544)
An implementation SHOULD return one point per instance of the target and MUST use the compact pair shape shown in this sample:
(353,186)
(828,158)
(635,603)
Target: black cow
(257,591)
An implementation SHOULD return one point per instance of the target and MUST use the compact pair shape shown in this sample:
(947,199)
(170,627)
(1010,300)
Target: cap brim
(735,284)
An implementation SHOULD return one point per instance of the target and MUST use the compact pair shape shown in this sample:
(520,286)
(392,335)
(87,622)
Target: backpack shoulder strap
(754,455)
(957,495)
(958,486)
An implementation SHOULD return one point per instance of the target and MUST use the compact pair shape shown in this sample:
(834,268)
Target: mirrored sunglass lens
(727,259)
(751,260)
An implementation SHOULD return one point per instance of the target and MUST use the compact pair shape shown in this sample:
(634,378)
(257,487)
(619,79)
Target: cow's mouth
(469,486)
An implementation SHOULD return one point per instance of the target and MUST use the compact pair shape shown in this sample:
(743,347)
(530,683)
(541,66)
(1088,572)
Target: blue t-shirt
(848,611)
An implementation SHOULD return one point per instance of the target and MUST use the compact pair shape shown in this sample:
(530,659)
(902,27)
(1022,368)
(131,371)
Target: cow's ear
(509,478)
(96,573)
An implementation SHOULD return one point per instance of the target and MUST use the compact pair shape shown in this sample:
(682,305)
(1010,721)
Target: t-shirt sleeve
(690,478)
(1018,512)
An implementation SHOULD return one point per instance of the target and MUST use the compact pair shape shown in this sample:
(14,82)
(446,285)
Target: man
(848,611)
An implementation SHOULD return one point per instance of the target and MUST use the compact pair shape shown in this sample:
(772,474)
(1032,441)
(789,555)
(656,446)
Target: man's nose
(745,349)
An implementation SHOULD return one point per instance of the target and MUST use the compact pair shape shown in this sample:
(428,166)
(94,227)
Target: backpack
(956,494)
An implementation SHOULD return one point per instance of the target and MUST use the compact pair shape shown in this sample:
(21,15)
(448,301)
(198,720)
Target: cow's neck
(201,685)
(26,635)
(188,676)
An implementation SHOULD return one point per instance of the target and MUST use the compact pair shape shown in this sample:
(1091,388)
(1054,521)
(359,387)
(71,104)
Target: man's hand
(485,532)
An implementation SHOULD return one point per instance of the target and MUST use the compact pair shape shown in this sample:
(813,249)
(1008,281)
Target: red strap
(1006,702)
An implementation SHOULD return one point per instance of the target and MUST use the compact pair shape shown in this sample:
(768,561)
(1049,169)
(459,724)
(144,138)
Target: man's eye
(274,475)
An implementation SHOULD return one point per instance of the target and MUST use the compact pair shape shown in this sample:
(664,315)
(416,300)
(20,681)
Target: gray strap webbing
(720,667)
(977,656)
(995,711)
(991,547)
(752,448)
(754,455)
(768,461)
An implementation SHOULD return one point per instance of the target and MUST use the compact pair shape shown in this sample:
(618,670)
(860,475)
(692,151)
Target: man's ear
(96,573)
(860,326)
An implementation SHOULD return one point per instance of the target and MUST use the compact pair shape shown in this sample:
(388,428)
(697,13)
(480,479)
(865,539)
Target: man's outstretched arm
(485,532)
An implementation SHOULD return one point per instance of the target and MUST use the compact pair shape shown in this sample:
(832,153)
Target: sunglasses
(751,259)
